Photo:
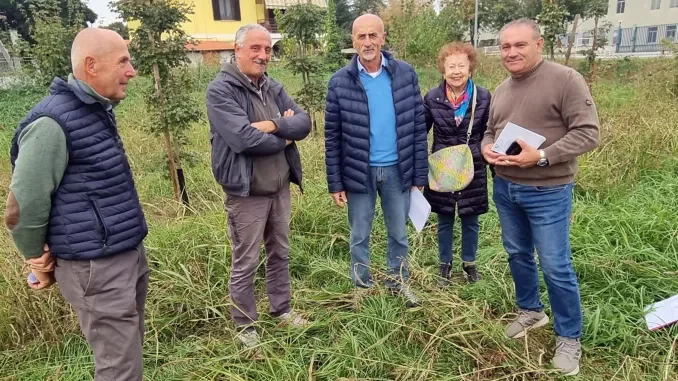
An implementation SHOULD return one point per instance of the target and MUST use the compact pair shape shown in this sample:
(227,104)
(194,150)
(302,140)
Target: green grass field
(624,240)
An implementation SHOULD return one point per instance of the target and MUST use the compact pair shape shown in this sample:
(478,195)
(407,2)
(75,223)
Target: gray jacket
(234,141)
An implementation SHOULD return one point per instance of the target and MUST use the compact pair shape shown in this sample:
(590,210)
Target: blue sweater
(383,139)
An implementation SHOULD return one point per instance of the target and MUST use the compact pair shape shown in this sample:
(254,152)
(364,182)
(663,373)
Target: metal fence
(644,38)
(14,63)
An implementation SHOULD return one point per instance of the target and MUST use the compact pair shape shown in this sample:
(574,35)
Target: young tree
(158,48)
(52,37)
(596,9)
(571,39)
(361,7)
(301,25)
(553,18)
(416,32)
(344,15)
(119,28)
(23,15)
(466,12)
(333,57)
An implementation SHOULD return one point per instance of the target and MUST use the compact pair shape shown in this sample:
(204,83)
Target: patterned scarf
(460,103)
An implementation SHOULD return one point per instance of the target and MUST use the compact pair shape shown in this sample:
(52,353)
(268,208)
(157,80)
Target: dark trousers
(470,226)
(251,219)
(109,296)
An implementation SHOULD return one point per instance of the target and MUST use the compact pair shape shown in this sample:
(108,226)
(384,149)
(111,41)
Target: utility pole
(475,30)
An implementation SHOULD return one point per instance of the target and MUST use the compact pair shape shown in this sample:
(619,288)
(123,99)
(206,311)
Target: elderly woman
(448,111)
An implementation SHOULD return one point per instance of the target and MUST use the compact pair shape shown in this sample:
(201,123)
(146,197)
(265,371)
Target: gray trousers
(109,295)
(249,220)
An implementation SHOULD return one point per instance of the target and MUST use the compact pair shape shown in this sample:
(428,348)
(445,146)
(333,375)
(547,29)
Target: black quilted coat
(439,113)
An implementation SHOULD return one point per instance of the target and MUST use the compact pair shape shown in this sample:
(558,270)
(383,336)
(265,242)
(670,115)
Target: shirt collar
(384,63)
(86,88)
(262,80)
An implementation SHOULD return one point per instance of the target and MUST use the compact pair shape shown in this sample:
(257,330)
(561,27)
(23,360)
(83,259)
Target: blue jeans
(395,203)
(539,217)
(469,237)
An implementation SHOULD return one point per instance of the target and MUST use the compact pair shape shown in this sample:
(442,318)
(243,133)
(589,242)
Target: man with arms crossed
(253,128)
(533,189)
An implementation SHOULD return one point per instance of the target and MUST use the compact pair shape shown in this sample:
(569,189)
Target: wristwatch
(543,161)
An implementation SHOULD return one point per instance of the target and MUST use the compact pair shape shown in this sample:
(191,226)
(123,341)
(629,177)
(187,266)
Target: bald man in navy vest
(73,211)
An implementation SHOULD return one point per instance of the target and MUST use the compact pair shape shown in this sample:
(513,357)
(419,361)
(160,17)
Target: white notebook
(511,133)
(662,314)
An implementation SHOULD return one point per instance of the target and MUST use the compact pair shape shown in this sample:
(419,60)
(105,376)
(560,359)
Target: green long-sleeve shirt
(39,168)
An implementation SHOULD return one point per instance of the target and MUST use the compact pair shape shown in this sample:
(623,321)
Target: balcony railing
(270,25)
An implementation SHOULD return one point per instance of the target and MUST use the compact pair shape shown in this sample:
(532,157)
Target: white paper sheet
(662,314)
(512,132)
(419,209)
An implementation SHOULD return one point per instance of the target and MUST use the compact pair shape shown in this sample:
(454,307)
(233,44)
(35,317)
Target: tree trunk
(593,50)
(471,28)
(166,134)
(572,39)
(181,180)
(314,124)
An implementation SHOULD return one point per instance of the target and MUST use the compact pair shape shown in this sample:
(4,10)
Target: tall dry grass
(624,239)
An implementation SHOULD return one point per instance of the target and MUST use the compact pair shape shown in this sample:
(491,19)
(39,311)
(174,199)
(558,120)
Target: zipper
(97,213)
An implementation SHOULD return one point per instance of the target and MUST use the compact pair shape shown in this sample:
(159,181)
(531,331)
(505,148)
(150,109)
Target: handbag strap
(473,114)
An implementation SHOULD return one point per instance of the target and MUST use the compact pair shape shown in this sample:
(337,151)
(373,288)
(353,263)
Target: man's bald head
(93,42)
(368,38)
(368,19)
(101,59)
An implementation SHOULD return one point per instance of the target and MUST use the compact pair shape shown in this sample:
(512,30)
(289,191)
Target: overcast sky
(100,7)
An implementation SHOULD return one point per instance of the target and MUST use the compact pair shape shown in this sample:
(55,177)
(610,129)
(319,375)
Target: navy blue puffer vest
(95,210)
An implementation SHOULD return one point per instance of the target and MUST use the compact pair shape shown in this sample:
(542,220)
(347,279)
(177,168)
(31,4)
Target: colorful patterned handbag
(451,168)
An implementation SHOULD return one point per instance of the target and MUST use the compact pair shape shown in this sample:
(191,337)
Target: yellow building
(218,20)
(214,24)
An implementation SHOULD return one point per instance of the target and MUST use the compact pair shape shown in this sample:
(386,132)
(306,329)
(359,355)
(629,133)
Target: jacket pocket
(100,221)
(80,273)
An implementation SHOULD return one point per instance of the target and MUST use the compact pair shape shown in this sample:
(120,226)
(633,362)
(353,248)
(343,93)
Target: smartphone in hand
(514,149)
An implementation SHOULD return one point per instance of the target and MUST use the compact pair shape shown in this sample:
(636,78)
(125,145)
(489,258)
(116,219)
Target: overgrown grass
(624,239)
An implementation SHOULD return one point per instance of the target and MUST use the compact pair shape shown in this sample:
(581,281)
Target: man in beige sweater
(533,188)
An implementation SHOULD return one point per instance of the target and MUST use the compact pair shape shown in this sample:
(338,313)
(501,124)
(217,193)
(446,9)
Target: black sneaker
(471,273)
(444,278)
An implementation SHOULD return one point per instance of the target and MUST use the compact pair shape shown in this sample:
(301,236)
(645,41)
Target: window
(585,39)
(621,6)
(656,4)
(226,9)
(652,35)
(674,4)
(671,32)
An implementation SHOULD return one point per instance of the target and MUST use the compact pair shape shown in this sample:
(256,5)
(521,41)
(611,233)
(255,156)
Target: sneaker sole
(539,324)
(573,373)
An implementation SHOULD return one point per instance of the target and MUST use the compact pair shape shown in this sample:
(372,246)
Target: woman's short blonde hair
(457,47)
